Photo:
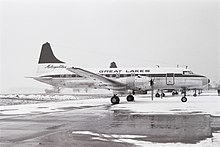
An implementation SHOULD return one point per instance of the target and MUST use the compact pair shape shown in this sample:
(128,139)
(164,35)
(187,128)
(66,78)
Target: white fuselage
(134,78)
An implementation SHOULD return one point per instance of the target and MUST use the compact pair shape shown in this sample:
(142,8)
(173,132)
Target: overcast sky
(92,33)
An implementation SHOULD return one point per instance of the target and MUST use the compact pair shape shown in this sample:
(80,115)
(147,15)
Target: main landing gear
(115,99)
(175,93)
(130,98)
(195,94)
(158,95)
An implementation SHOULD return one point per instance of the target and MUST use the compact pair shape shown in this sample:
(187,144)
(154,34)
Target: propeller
(152,88)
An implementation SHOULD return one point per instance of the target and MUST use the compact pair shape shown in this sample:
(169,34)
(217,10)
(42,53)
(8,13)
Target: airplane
(56,73)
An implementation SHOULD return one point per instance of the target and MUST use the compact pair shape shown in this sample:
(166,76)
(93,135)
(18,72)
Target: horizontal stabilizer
(43,78)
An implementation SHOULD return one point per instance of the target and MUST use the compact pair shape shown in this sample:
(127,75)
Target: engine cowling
(142,83)
(136,83)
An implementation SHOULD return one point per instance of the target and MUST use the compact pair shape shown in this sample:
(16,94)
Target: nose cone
(205,81)
(209,80)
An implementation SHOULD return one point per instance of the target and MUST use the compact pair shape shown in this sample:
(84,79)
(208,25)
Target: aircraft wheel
(115,99)
(183,99)
(157,95)
(163,94)
(130,98)
(145,92)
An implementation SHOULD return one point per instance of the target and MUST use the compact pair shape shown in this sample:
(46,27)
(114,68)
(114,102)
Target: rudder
(47,56)
(48,63)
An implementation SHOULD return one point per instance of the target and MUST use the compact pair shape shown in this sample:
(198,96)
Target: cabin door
(170,79)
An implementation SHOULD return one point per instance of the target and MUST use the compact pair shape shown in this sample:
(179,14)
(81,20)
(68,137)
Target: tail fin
(47,56)
(48,63)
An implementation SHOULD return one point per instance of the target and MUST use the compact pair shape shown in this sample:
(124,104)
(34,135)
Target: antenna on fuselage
(113,65)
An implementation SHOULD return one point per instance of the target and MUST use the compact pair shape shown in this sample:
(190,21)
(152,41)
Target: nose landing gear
(184,99)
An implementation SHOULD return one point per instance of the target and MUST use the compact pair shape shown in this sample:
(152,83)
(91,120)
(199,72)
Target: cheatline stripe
(122,75)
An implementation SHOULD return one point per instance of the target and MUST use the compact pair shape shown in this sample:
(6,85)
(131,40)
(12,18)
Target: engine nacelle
(136,83)
(142,83)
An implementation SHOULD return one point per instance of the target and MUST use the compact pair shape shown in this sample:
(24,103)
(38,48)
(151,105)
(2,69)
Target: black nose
(209,80)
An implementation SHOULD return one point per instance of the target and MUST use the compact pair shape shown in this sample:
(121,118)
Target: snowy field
(207,104)
(17,99)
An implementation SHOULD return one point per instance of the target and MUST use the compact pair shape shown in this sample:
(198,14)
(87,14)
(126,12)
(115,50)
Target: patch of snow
(171,105)
(85,133)
(214,142)
(107,135)
(205,143)
(50,106)
(143,104)
(128,136)
(99,138)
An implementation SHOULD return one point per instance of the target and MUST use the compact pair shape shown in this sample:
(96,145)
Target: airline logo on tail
(54,66)
(48,63)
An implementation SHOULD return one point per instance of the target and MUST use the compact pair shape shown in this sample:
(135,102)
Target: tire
(194,94)
(130,98)
(173,93)
(183,99)
(145,92)
(115,100)
(163,94)
(157,95)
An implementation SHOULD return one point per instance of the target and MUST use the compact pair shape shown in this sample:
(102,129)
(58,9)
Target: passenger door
(170,79)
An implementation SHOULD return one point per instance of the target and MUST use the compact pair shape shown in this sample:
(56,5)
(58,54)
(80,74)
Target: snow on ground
(50,106)
(206,103)
(135,140)
(17,99)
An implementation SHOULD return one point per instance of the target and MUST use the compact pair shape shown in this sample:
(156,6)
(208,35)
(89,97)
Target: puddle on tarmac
(185,128)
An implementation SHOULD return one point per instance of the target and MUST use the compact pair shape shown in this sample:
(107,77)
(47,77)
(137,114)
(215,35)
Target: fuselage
(133,78)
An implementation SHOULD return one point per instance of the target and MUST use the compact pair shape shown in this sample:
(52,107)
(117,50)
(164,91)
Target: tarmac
(96,122)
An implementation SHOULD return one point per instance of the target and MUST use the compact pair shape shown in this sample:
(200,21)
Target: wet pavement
(103,126)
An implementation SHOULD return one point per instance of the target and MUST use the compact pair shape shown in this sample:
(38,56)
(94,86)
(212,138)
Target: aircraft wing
(95,77)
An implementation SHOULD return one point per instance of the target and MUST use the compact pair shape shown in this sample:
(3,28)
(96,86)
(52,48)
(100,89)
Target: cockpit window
(187,72)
